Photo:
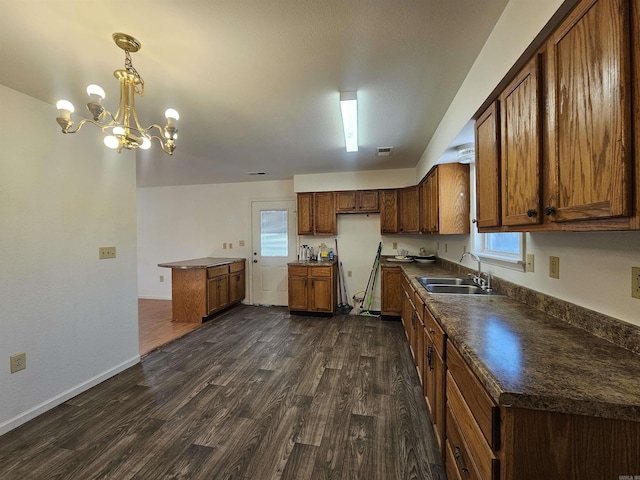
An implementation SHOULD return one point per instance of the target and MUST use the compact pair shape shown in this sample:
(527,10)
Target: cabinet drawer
(468,444)
(236,267)
(321,271)
(435,331)
(485,412)
(297,271)
(217,271)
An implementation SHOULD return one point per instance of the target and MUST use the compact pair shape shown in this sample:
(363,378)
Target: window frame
(501,259)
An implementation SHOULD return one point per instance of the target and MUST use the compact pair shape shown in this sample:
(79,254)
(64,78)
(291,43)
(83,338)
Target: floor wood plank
(256,394)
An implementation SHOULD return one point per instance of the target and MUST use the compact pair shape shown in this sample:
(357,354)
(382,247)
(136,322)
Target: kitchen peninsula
(201,287)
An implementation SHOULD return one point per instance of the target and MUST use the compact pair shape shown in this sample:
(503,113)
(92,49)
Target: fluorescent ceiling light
(349,109)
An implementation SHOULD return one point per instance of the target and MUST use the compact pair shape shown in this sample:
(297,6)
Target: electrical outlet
(241,243)
(530,265)
(445,248)
(348,273)
(230,245)
(161,278)
(106,252)
(224,246)
(554,267)
(635,282)
(395,245)
(464,249)
(18,362)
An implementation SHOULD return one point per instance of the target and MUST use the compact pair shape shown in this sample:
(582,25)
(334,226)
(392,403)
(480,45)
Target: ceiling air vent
(384,151)
(257,173)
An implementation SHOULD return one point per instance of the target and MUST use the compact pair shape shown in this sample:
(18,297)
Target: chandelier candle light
(123,129)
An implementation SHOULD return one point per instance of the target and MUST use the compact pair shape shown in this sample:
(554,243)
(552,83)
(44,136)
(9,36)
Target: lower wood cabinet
(312,288)
(391,291)
(198,292)
(481,440)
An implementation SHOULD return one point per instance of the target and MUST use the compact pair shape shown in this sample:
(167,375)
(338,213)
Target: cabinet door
(520,148)
(408,209)
(325,213)
(424,205)
(488,168)
(321,298)
(298,297)
(590,97)
(388,211)
(217,293)
(368,201)
(305,214)
(236,287)
(391,291)
(434,202)
(346,202)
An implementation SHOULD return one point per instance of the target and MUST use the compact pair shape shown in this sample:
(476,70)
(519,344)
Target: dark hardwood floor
(258,394)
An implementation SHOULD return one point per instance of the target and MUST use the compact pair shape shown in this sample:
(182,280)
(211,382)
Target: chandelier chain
(128,65)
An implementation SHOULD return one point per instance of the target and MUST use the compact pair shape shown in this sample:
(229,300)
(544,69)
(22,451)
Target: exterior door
(273,246)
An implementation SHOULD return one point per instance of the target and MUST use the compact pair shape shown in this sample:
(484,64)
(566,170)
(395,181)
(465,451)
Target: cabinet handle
(549,210)
(255,261)
(429,357)
(531,213)
(475,220)
(459,460)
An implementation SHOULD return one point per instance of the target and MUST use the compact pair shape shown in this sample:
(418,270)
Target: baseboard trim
(24,417)
(152,297)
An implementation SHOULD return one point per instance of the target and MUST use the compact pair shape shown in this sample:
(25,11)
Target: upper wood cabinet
(487,129)
(357,201)
(520,148)
(444,199)
(409,210)
(569,165)
(589,93)
(388,211)
(317,213)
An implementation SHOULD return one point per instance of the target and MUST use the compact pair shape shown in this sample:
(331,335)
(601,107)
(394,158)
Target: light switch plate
(635,282)
(554,267)
(530,262)
(18,362)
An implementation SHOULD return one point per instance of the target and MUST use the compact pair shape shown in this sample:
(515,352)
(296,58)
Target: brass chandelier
(123,129)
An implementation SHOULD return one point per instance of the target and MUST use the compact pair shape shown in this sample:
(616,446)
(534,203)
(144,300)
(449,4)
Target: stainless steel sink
(456,289)
(452,286)
(444,281)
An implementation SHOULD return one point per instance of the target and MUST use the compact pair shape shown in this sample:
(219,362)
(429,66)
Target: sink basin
(452,286)
(444,281)
(456,289)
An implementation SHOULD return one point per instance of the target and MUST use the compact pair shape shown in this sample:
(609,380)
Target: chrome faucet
(477,278)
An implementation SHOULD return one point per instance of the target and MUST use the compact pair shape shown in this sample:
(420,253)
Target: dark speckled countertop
(527,358)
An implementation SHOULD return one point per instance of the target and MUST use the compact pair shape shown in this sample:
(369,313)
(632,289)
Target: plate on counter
(427,259)
(400,259)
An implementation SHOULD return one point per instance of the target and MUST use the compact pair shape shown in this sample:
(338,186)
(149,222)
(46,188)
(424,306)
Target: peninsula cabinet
(312,288)
(444,200)
(316,213)
(202,287)
(570,165)
(357,201)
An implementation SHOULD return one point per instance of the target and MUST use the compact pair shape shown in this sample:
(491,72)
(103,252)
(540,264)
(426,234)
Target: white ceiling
(256,82)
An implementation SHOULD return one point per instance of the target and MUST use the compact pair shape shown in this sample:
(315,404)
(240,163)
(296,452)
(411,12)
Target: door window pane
(274,238)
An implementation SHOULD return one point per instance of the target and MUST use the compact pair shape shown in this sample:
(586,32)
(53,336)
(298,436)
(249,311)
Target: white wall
(519,24)
(76,317)
(178,223)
